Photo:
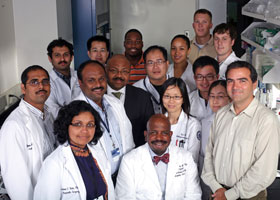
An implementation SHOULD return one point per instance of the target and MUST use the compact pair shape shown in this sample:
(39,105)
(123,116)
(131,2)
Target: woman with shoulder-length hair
(77,169)
(176,106)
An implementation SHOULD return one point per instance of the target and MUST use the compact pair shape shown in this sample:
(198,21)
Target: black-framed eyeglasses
(209,77)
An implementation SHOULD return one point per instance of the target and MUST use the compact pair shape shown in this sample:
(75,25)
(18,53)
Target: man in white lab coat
(26,137)
(156,170)
(224,38)
(117,137)
(206,71)
(64,81)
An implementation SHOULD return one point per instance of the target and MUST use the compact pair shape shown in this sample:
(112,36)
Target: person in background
(206,71)
(181,67)
(176,106)
(202,44)
(157,170)
(76,170)
(156,63)
(98,48)
(137,102)
(218,98)
(63,79)
(224,38)
(26,137)
(242,151)
(133,44)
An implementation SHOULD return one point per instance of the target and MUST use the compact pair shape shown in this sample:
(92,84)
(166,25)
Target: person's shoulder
(136,153)
(112,100)
(137,90)
(139,83)
(179,153)
(193,94)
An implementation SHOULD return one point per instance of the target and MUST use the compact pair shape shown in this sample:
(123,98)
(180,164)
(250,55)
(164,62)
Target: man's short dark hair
(243,64)
(133,31)
(184,37)
(224,28)
(84,64)
(202,61)
(155,47)
(203,11)
(59,43)
(98,38)
(24,75)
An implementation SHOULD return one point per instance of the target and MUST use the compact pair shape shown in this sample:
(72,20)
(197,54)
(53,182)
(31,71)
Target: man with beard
(158,170)
(63,79)
(26,137)
(137,102)
(117,131)
(133,44)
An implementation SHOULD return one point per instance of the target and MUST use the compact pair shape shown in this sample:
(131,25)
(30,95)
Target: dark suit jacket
(139,109)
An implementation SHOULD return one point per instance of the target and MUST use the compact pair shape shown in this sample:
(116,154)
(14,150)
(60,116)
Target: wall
(64,19)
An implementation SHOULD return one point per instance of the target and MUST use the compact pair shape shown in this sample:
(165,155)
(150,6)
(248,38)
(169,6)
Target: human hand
(219,194)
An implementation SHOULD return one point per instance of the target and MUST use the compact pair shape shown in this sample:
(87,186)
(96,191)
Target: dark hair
(155,47)
(24,75)
(66,115)
(59,43)
(98,38)
(203,11)
(183,89)
(133,31)
(216,83)
(84,64)
(202,61)
(243,64)
(187,40)
(223,28)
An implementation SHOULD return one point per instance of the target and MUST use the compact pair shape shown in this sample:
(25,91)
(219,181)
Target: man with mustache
(26,137)
(63,79)
(156,170)
(133,44)
(137,102)
(117,136)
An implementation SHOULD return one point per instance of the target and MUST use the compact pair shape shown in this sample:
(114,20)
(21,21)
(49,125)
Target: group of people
(131,126)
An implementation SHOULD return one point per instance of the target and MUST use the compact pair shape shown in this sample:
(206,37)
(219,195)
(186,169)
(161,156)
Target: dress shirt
(111,90)
(67,79)
(224,64)
(242,151)
(112,135)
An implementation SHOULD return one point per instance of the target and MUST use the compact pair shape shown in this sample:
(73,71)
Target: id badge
(115,154)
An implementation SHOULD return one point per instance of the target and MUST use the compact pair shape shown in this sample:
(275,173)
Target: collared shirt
(122,90)
(111,133)
(242,150)
(138,71)
(67,79)
(224,64)
(44,119)
(207,50)
(161,169)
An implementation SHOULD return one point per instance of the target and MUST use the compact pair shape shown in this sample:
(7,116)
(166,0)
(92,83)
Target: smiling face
(158,134)
(98,51)
(94,84)
(202,25)
(223,45)
(172,99)
(81,135)
(218,98)
(133,44)
(179,51)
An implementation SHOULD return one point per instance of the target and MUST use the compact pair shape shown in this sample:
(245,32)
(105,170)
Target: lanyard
(154,99)
(105,123)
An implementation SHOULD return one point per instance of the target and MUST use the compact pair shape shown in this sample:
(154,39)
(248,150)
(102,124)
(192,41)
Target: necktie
(117,94)
(164,158)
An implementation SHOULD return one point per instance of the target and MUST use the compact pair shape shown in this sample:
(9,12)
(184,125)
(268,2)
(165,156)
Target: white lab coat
(223,66)
(137,177)
(198,108)
(61,94)
(187,134)
(124,123)
(60,176)
(21,152)
(187,76)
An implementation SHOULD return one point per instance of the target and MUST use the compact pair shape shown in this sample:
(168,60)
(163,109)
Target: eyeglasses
(209,77)
(176,98)
(80,125)
(158,62)
(36,83)
(217,97)
(115,71)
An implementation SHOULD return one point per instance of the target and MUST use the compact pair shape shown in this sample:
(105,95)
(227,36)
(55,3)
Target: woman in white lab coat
(218,98)
(76,170)
(176,106)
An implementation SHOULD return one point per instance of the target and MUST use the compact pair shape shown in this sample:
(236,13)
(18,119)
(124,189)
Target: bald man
(157,170)
(137,102)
